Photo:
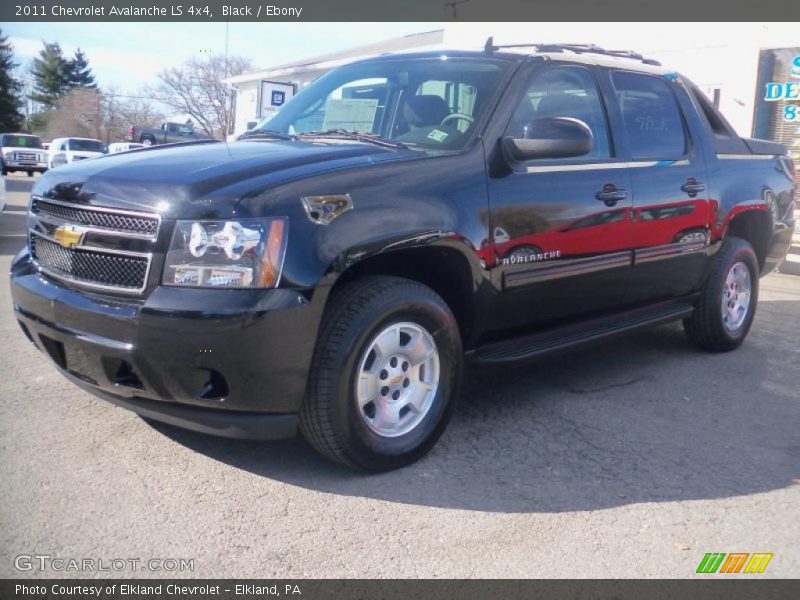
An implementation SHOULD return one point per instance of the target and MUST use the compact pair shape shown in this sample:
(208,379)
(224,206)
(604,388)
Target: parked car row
(25,152)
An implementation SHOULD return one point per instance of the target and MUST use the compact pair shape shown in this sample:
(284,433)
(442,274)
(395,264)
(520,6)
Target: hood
(201,179)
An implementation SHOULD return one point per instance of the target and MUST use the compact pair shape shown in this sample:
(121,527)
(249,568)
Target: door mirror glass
(550,137)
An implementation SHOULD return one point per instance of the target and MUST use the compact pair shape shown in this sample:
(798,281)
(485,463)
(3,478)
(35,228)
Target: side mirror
(550,137)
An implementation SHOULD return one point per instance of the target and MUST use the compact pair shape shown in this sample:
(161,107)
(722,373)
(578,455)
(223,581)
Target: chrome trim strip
(569,268)
(664,251)
(60,275)
(99,209)
(45,218)
(746,156)
(606,166)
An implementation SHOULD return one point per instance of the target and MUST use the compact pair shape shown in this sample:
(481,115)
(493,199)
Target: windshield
(21,141)
(86,145)
(427,102)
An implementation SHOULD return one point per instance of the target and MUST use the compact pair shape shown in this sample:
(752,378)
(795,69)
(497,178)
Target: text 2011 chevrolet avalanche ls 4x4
(402,216)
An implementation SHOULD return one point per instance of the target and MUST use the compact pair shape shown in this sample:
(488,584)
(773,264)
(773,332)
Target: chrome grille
(116,221)
(92,267)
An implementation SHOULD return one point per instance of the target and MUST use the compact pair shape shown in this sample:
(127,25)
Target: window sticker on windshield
(353,114)
(438,135)
(21,141)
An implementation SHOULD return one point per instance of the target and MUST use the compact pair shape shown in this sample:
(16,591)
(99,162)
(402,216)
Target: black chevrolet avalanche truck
(335,269)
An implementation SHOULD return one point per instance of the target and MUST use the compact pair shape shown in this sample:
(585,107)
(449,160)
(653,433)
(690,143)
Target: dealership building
(731,62)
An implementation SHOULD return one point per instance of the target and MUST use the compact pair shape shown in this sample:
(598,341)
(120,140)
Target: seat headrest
(423,110)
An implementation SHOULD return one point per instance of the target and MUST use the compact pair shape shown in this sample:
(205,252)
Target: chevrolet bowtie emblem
(68,236)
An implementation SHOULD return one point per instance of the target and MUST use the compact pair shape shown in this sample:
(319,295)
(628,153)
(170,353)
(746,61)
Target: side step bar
(553,340)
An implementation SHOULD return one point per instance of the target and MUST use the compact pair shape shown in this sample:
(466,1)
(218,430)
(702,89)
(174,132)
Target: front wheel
(30,173)
(385,374)
(727,305)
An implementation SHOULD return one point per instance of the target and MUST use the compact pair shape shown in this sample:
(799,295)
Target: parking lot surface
(632,458)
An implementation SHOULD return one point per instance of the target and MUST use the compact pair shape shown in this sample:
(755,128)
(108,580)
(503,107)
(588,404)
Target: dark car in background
(338,269)
(168,133)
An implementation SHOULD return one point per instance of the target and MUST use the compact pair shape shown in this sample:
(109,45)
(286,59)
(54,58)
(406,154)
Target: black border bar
(743,587)
(402,10)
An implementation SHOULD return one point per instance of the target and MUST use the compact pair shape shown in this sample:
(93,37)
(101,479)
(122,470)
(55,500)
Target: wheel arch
(755,226)
(444,267)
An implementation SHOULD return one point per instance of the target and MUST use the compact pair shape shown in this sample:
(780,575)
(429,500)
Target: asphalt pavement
(632,458)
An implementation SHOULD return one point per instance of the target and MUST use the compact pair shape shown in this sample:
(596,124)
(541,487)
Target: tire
(147,140)
(523,254)
(30,173)
(712,327)
(334,418)
(691,235)
(5,171)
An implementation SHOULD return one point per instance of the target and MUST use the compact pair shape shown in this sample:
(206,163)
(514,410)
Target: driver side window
(458,97)
(563,92)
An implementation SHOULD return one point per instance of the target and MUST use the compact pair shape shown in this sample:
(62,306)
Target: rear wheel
(727,305)
(385,374)
(147,140)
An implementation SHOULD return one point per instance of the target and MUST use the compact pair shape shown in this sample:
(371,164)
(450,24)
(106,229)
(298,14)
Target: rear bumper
(227,362)
(780,244)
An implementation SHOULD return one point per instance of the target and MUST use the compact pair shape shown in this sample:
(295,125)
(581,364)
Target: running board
(553,340)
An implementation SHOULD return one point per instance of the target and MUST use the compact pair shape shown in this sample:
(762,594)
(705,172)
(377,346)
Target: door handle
(610,194)
(693,187)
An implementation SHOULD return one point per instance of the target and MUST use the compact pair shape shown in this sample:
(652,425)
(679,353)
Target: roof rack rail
(577,48)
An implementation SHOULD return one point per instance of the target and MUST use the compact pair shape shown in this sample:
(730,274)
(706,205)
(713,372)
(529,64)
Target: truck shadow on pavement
(645,418)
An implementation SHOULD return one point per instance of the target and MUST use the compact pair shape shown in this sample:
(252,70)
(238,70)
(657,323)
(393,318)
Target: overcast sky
(128,55)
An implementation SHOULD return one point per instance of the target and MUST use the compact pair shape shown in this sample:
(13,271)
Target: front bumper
(226,362)
(21,165)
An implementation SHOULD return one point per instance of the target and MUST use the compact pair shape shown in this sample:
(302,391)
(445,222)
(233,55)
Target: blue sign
(278,98)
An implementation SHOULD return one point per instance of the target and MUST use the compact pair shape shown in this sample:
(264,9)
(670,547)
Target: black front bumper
(226,362)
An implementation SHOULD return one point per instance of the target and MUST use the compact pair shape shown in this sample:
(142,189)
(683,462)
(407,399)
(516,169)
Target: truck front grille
(112,220)
(91,267)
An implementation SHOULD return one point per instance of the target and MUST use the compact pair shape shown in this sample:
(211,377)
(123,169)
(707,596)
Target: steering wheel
(457,117)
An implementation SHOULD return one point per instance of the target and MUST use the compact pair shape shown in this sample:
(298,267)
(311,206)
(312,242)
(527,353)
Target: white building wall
(246,105)
(713,55)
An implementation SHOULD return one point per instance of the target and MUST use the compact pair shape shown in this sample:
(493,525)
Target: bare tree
(197,89)
(142,112)
(122,111)
(106,116)
(79,113)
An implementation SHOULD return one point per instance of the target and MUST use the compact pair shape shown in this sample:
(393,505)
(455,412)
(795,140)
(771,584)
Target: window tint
(651,115)
(563,92)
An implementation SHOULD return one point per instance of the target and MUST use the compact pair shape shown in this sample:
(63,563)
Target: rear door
(672,211)
(560,228)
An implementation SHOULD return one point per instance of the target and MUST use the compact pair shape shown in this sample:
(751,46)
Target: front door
(561,232)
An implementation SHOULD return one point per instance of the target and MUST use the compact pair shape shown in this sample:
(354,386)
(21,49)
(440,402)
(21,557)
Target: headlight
(246,253)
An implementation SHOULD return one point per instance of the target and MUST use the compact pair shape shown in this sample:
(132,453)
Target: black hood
(202,179)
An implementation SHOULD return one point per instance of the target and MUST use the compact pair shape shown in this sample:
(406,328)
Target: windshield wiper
(268,134)
(359,136)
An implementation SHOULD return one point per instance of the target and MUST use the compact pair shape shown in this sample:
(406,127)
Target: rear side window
(651,115)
